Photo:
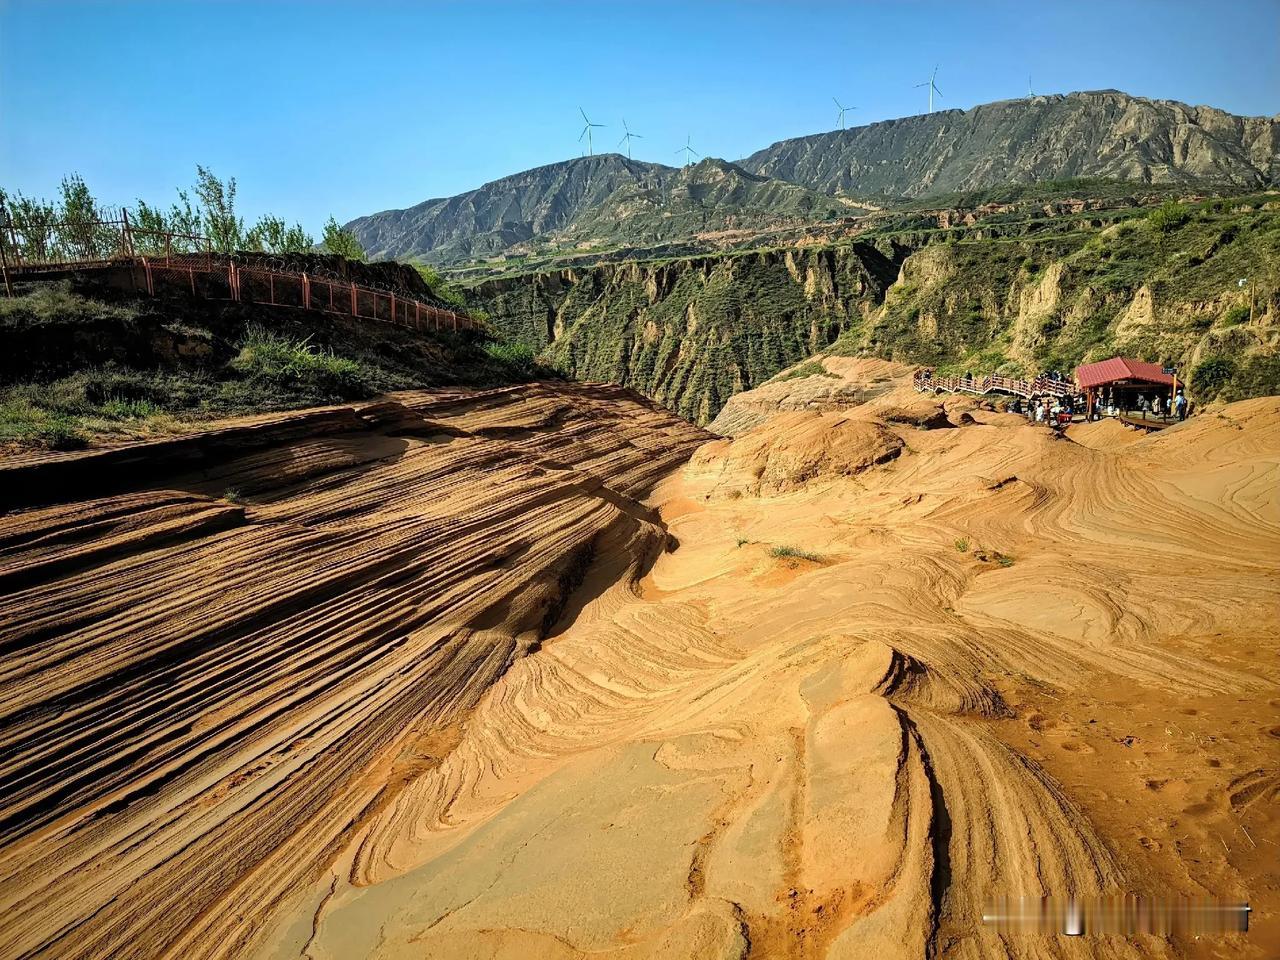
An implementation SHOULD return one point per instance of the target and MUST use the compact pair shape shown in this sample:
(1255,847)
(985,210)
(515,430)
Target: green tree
(80,229)
(33,222)
(177,230)
(272,235)
(1168,216)
(341,242)
(218,204)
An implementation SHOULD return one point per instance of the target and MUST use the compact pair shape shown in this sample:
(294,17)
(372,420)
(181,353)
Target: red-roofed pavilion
(1122,381)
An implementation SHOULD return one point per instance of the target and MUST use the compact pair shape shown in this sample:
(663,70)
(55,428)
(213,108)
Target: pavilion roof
(1121,368)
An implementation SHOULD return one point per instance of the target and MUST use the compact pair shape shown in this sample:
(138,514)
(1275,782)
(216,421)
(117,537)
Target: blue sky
(349,108)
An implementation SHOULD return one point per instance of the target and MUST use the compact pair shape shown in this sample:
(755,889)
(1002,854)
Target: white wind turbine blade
(583,134)
(584,115)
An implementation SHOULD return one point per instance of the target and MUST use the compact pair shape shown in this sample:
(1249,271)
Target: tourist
(1156,406)
(1180,404)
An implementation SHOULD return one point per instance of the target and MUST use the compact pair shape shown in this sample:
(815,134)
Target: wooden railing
(925,380)
(214,278)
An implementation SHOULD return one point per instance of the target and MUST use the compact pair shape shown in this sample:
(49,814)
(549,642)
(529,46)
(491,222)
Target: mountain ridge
(1105,133)
(608,201)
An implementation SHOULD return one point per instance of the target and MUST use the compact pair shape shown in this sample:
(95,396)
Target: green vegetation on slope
(1162,285)
(690,333)
(78,363)
(1025,293)
(213,216)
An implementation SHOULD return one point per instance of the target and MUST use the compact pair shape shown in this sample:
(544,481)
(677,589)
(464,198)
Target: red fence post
(393,308)
(355,312)
(306,292)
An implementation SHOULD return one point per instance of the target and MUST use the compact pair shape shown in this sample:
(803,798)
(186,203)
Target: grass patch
(516,359)
(285,362)
(784,552)
(812,368)
(25,423)
(962,544)
(233,495)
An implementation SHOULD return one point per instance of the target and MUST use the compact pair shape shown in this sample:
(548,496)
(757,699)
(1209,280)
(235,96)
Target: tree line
(71,226)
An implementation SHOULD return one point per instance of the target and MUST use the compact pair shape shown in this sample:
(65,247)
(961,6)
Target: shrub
(1210,376)
(962,544)
(1168,216)
(1235,316)
(1258,376)
(517,358)
(784,552)
(297,363)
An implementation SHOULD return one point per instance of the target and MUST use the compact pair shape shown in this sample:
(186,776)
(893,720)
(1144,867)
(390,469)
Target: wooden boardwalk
(925,382)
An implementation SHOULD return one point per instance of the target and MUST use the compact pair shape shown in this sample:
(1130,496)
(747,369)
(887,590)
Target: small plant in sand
(962,544)
(743,541)
(233,495)
(993,556)
(784,552)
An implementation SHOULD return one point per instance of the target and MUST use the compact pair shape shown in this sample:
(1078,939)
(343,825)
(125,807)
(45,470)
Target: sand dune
(501,675)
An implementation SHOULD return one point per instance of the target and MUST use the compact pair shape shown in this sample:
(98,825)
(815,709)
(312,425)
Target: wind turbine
(586,131)
(1030,92)
(628,137)
(932,86)
(688,151)
(843,109)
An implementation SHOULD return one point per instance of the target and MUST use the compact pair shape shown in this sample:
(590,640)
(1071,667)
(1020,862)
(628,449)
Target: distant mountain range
(608,200)
(590,200)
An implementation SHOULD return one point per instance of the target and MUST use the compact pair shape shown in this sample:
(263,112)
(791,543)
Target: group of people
(1154,405)
(1048,409)
(1059,409)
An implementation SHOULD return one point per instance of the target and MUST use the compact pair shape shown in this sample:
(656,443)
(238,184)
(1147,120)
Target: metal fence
(221,278)
(168,262)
